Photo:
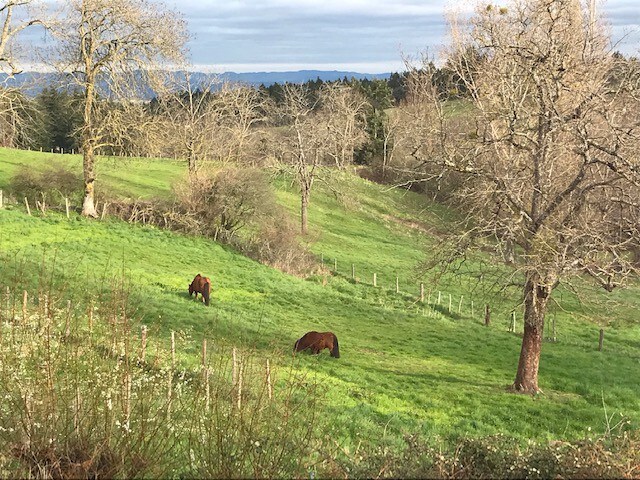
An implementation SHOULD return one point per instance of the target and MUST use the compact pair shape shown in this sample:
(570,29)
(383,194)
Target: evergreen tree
(60,116)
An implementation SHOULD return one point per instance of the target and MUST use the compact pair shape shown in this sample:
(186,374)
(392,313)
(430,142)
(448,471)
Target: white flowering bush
(82,396)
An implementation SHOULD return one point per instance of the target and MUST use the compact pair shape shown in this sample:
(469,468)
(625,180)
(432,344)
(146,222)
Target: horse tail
(205,292)
(335,352)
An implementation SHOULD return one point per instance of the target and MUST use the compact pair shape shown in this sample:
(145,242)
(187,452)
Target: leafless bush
(55,182)
(234,206)
(229,200)
(238,207)
(497,456)
(278,245)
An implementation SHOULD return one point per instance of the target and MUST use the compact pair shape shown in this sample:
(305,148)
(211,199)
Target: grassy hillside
(406,367)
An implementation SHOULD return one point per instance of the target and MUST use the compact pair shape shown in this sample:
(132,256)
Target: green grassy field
(405,367)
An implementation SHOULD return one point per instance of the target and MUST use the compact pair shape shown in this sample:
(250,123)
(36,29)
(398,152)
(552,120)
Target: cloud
(306,32)
(358,35)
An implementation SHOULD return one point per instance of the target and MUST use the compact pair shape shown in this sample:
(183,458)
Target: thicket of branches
(545,155)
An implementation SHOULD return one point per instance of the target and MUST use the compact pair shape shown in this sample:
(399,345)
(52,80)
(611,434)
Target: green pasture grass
(405,367)
(118,176)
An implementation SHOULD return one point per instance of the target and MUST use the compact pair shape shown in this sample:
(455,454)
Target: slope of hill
(405,367)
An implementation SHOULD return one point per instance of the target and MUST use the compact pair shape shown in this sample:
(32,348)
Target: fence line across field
(8,315)
(511,323)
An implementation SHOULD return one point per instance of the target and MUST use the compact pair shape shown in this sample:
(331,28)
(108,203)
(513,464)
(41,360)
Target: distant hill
(300,76)
(34,82)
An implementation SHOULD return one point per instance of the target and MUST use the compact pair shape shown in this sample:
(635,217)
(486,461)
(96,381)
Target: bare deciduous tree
(209,120)
(11,28)
(188,120)
(112,49)
(316,131)
(241,109)
(549,151)
(302,147)
(15,17)
(344,110)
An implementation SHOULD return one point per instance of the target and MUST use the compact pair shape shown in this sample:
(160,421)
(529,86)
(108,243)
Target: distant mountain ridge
(298,76)
(34,82)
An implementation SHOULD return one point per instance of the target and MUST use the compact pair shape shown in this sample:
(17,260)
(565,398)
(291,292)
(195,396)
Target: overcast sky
(358,35)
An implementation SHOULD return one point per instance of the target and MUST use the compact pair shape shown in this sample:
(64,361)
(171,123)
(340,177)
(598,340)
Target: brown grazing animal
(201,285)
(318,341)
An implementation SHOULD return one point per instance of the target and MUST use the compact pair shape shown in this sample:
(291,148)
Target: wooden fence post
(449,303)
(1,199)
(239,389)
(143,346)
(127,410)
(204,354)
(375,279)
(335,265)
(472,315)
(104,210)
(26,202)
(207,388)
(24,306)
(439,297)
(170,379)
(269,390)
(66,206)
(353,272)
(512,326)
(397,284)
(487,315)
(553,325)
(460,304)
(173,350)
(205,373)
(601,339)
(67,328)
(7,301)
(234,367)
(422,292)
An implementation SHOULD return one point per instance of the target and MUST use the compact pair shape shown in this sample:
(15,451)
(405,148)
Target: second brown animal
(317,341)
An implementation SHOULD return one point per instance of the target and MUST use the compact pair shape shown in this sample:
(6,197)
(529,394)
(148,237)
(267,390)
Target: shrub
(228,201)
(496,456)
(85,396)
(55,183)
(234,206)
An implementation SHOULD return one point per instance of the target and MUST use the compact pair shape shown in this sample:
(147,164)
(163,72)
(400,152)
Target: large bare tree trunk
(536,299)
(192,162)
(88,157)
(304,207)
(88,168)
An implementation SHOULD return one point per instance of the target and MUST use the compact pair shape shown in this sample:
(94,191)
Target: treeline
(53,119)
